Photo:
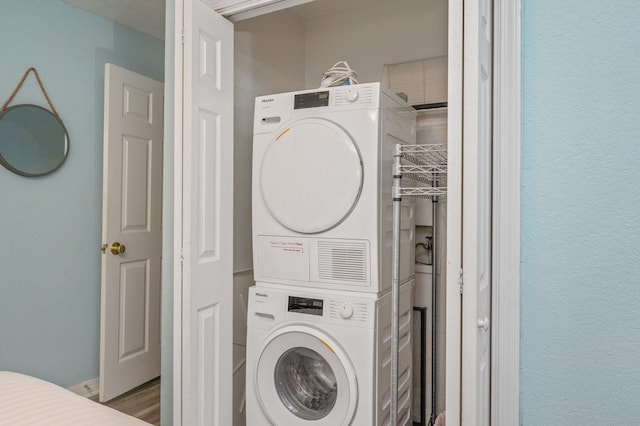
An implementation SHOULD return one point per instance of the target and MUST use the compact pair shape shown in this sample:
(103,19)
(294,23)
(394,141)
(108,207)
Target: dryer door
(302,378)
(311,176)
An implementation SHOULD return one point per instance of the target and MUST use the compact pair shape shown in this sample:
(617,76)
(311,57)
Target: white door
(206,199)
(476,213)
(131,231)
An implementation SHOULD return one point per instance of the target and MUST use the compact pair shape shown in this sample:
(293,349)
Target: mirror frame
(11,168)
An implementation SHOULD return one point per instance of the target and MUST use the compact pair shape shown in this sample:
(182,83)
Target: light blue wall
(580,347)
(50,231)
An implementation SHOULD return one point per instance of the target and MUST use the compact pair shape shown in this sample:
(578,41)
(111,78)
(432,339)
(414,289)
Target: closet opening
(404,45)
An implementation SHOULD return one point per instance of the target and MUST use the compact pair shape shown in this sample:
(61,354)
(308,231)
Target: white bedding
(25,400)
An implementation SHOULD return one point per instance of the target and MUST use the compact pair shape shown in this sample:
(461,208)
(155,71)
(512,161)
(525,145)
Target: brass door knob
(117,248)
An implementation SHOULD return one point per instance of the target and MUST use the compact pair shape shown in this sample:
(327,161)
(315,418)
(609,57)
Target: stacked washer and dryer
(319,318)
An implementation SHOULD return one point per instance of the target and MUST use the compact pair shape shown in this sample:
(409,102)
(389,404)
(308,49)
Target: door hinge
(460,281)
(182,36)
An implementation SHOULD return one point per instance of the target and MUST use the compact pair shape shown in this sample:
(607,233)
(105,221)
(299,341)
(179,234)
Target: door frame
(507,140)
(505,380)
(177,257)
(505,321)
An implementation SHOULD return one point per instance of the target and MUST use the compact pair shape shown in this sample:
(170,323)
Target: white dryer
(322,180)
(324,358)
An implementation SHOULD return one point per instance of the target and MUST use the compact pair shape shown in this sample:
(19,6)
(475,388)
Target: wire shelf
(426,165)
(423,192)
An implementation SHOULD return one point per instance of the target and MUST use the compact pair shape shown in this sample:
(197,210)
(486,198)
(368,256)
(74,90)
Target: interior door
(476,216)
(207,222)
(131,232)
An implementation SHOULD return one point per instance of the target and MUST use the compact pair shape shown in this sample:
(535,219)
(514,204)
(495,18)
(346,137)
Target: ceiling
(148,16)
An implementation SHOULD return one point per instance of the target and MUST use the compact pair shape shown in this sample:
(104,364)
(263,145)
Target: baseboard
(87,389)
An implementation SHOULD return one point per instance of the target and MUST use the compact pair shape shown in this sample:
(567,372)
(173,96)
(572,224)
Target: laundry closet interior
(400,43)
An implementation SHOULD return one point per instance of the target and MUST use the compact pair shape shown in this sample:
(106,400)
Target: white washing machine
(323,358)
(322,181)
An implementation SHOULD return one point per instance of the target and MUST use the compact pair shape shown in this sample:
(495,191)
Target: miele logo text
(267,100)
(261,295)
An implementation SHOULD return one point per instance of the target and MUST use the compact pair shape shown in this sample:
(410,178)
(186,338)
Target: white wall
(391,31)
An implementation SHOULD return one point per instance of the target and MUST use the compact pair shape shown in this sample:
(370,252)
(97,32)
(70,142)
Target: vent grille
(340,261)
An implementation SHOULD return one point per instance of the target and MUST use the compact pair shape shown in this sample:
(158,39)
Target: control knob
(352,94)
(346,310)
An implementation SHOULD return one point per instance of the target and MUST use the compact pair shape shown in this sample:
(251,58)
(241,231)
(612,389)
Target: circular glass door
(311,176)
(305,383)
(301,376)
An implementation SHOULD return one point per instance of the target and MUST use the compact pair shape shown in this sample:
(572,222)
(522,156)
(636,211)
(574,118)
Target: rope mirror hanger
(33,140)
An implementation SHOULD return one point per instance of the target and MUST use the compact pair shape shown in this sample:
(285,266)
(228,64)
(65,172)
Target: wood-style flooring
(142,402)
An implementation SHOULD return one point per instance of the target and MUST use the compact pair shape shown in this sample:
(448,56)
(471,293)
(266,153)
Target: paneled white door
(131,231)
(476,213)
(206,361)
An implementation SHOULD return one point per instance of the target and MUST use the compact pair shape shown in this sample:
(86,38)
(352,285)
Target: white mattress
(25,400)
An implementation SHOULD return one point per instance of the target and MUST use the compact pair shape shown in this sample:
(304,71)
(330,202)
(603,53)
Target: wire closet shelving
(426,168)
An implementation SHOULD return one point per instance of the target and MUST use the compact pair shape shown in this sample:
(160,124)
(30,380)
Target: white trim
(505,392)
(255,8)
(454,215)
(237,10)
(87,389)
(177,211)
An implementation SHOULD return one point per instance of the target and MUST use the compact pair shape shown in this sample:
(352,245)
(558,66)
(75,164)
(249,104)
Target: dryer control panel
(274,112)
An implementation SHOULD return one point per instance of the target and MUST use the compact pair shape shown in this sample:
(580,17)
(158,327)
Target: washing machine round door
(302,378)
(311,176)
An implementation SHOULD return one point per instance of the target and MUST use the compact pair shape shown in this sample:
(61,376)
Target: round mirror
(33,141)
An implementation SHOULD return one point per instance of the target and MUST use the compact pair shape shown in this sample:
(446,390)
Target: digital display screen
(305,305)
(311,100)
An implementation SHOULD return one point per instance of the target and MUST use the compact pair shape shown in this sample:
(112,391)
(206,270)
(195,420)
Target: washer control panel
(345,310)
(269,306)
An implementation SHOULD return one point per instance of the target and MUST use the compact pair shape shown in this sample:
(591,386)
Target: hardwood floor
(142,402)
